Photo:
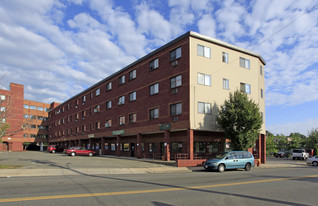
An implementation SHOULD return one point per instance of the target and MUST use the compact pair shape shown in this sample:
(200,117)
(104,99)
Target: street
(275,186)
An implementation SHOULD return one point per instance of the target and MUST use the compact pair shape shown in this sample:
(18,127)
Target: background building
(165,104)
(27,119)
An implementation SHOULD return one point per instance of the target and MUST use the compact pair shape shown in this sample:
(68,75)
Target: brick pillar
(118,145)
(90,143)
(139,152)
(102,146)
(263,148)
(190,143)
(167,144)
(80,142)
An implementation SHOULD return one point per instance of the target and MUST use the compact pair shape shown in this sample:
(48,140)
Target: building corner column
(167,144)
(190,143)
(139,152)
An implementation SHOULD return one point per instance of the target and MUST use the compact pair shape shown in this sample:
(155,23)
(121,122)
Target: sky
(58,48)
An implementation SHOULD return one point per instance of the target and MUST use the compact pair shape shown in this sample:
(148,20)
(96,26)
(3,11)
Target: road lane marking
(19,199)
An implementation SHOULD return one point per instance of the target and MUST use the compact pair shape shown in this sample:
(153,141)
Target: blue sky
(57,48)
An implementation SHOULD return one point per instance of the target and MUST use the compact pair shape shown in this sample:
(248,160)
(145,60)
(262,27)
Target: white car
(313,160)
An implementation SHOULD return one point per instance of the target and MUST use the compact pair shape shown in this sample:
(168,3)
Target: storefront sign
(91,136)
(118,132)
(164,126)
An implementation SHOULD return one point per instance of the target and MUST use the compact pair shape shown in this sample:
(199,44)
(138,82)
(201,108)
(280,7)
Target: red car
(55,148)
(73,151)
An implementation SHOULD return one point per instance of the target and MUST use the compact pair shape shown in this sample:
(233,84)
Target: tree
(4,113)
(271,144)
(312,140)
(240,120)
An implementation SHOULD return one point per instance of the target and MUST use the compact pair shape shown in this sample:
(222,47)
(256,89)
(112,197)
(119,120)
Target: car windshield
(220,155)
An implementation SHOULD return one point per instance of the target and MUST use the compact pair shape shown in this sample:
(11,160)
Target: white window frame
(132,96)
(203,51)
(204,79)
(226,84)
(245,63)
(97,92)
(109,86)
(154,64)
(121,100)
(154,113)
(225,57)
(154,89)
(176,81)
(246,88)
(109,104)
(132,74)
(204,108)
(121,80)
(175,54)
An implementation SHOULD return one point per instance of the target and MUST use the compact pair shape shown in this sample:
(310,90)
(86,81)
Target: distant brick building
(27,119)
(165,104)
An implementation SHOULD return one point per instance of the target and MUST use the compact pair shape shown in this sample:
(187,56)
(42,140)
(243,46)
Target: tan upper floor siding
(213,67)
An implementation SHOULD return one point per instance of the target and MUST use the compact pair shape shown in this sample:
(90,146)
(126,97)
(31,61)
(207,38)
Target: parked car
(73,151)
(279,154)
(55,148)
(300,154)
(230,160)
(313,160)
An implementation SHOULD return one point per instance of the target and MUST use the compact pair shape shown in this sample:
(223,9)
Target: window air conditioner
(174,63)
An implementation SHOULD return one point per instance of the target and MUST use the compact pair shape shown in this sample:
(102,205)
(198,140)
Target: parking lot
(45,160)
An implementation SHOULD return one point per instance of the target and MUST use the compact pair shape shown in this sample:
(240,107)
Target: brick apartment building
(27,119)
(165,104)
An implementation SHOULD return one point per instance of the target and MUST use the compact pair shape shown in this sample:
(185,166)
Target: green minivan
(230,160)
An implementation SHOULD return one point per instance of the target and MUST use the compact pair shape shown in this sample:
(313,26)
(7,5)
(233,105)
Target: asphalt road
(277,186)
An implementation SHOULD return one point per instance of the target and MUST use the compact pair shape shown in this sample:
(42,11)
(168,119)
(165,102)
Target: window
(33,135)
(176,147)
(121,120)
(47,109)
(204,51)
(109,105)
(199,147)
(113,147)
(97,109)
(204,108)
(33,126)
(154,113)
(91,95)
(25,106)
(2,97)
(132,96)
(226,84)
(204,79)
(108,86)
(261,70)
(83,99)
(26,135)
(40,108)
(176,81)
(97,125)
(132,118)
(245,63)
(32,116)
(176,109)
(132,75)
(246,88)
(121,100)
(83,114)
(121,80)
(225,57)
(25,116)
(126,147)
(108,123)
(32,107)
(97,92)
(154,64)
(262,93)
(154,89)
(152,147)
(175,54)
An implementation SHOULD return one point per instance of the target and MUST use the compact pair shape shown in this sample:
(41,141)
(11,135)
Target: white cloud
(207,25)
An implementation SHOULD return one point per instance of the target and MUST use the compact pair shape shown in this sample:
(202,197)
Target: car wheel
(315,163)
(73,154)
(221,168)
(247,167)
(53,151)
(90,154)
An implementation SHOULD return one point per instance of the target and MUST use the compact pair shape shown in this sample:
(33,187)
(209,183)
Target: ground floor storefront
(189,145)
